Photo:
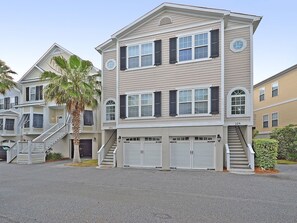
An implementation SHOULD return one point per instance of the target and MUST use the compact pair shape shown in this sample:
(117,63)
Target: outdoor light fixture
(119,139)
(219,138)
(94,139)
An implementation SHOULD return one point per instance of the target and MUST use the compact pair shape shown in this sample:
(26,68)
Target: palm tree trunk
(75,128)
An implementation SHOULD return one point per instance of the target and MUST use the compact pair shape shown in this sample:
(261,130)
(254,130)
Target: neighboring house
(176,83)
(275,101)
(9,116)
(46,125)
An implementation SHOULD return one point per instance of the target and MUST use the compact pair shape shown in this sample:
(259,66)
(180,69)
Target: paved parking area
(55,193)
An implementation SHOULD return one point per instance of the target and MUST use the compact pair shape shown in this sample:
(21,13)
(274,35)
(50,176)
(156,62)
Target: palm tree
(6,81)
(73,85)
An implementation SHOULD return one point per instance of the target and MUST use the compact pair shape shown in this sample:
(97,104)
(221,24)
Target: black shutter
(172,102)
(88,118)
(214,37)
(41,92)
(123,106)
(123,58)
(37,90)
(214,100)
(158,104)
(172,50)
(158,52)
(27,94)
(16,100)
(6,103)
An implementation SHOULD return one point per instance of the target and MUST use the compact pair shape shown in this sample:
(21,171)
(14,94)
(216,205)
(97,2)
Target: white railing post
(227,156)
(251,157)
(115,157)
(30,152)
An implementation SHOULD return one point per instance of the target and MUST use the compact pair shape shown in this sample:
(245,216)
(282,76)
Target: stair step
(235,159)
(240,166)
(106,163)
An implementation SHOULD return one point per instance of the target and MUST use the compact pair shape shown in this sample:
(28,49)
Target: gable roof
(284,72)
(55,45)
(219,13)
(50,50)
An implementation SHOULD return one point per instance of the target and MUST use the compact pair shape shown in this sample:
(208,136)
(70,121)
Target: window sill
(238,116)
(140,118)
(193,61)
(112,121)
(195,115)
(140,68)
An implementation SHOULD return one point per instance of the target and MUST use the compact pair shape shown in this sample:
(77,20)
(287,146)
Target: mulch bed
(259,170)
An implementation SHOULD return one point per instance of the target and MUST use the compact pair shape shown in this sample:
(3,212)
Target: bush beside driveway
(53,192)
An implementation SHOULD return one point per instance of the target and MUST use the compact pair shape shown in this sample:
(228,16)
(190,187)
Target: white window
(193,47)
(265,121)
(193,101)
(1,103)
(32,93)
(140,55)
(140,105)
(110,110)
(274,89)
(238,102)
(274,119)
(262,94)
(12,101)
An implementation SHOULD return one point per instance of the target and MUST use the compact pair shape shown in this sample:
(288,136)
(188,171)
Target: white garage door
(192,152)
(143,152)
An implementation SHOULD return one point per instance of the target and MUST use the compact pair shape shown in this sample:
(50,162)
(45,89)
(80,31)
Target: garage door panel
(152,154)
(180,155)
(132,156)
(203,155)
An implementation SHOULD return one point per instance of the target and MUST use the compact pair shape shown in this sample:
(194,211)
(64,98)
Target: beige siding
(109,77)
(178,20)
(237,66)
(171,76)
(35,73)
(46,63)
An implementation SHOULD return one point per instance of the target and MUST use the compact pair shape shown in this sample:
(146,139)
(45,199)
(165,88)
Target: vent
(165,21)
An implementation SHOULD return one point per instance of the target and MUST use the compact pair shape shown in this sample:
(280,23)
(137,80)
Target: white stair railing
(12,153)
(115,157)
(227,156)
(251,157)
(105,147)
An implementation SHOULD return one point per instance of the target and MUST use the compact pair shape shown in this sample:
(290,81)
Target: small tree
(286,137)
(6,81)
(73,85)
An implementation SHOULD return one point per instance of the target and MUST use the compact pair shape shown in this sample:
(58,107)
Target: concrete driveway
(54,193)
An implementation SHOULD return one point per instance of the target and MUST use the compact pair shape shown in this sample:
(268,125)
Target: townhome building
(42,126)
(275,102)
(177,90)
(9,116)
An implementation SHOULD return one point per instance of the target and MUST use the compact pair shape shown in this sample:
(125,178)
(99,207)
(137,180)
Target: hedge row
(265,152)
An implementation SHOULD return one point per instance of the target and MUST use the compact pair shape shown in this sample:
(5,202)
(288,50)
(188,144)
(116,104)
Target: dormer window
(34,93)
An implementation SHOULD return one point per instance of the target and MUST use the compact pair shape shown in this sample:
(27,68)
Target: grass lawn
(84,163)
(286,162)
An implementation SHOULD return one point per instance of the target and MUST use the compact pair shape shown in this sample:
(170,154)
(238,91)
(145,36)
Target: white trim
(110,50)
(117,83)
(252,70)
(140,92)
(244,45)
(140,68)
(171,124)
(263,121)
(140,42)
(192,35)
(238,27)
(140,55)
(104,110)
(274,119)
(193,61)
(276,104)
(192,89)
(114,65)
(222,48)
(171,30)
(102,92)
(231,122)
(140,105)
(247,103)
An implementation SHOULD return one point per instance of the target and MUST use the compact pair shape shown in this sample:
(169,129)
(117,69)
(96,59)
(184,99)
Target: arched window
(110,110)
(238,102)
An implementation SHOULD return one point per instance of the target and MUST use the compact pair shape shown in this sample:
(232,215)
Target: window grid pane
(146,105)
(238,102)
(110,110)
(133,106)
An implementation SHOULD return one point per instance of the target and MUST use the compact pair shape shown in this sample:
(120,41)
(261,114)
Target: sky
(29,27)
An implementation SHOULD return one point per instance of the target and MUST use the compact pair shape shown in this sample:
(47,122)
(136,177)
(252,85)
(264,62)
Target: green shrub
(54,156)
(287,141)
(265,152)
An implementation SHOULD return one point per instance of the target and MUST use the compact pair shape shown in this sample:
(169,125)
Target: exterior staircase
(28,152)
(108,159)
(238,158)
